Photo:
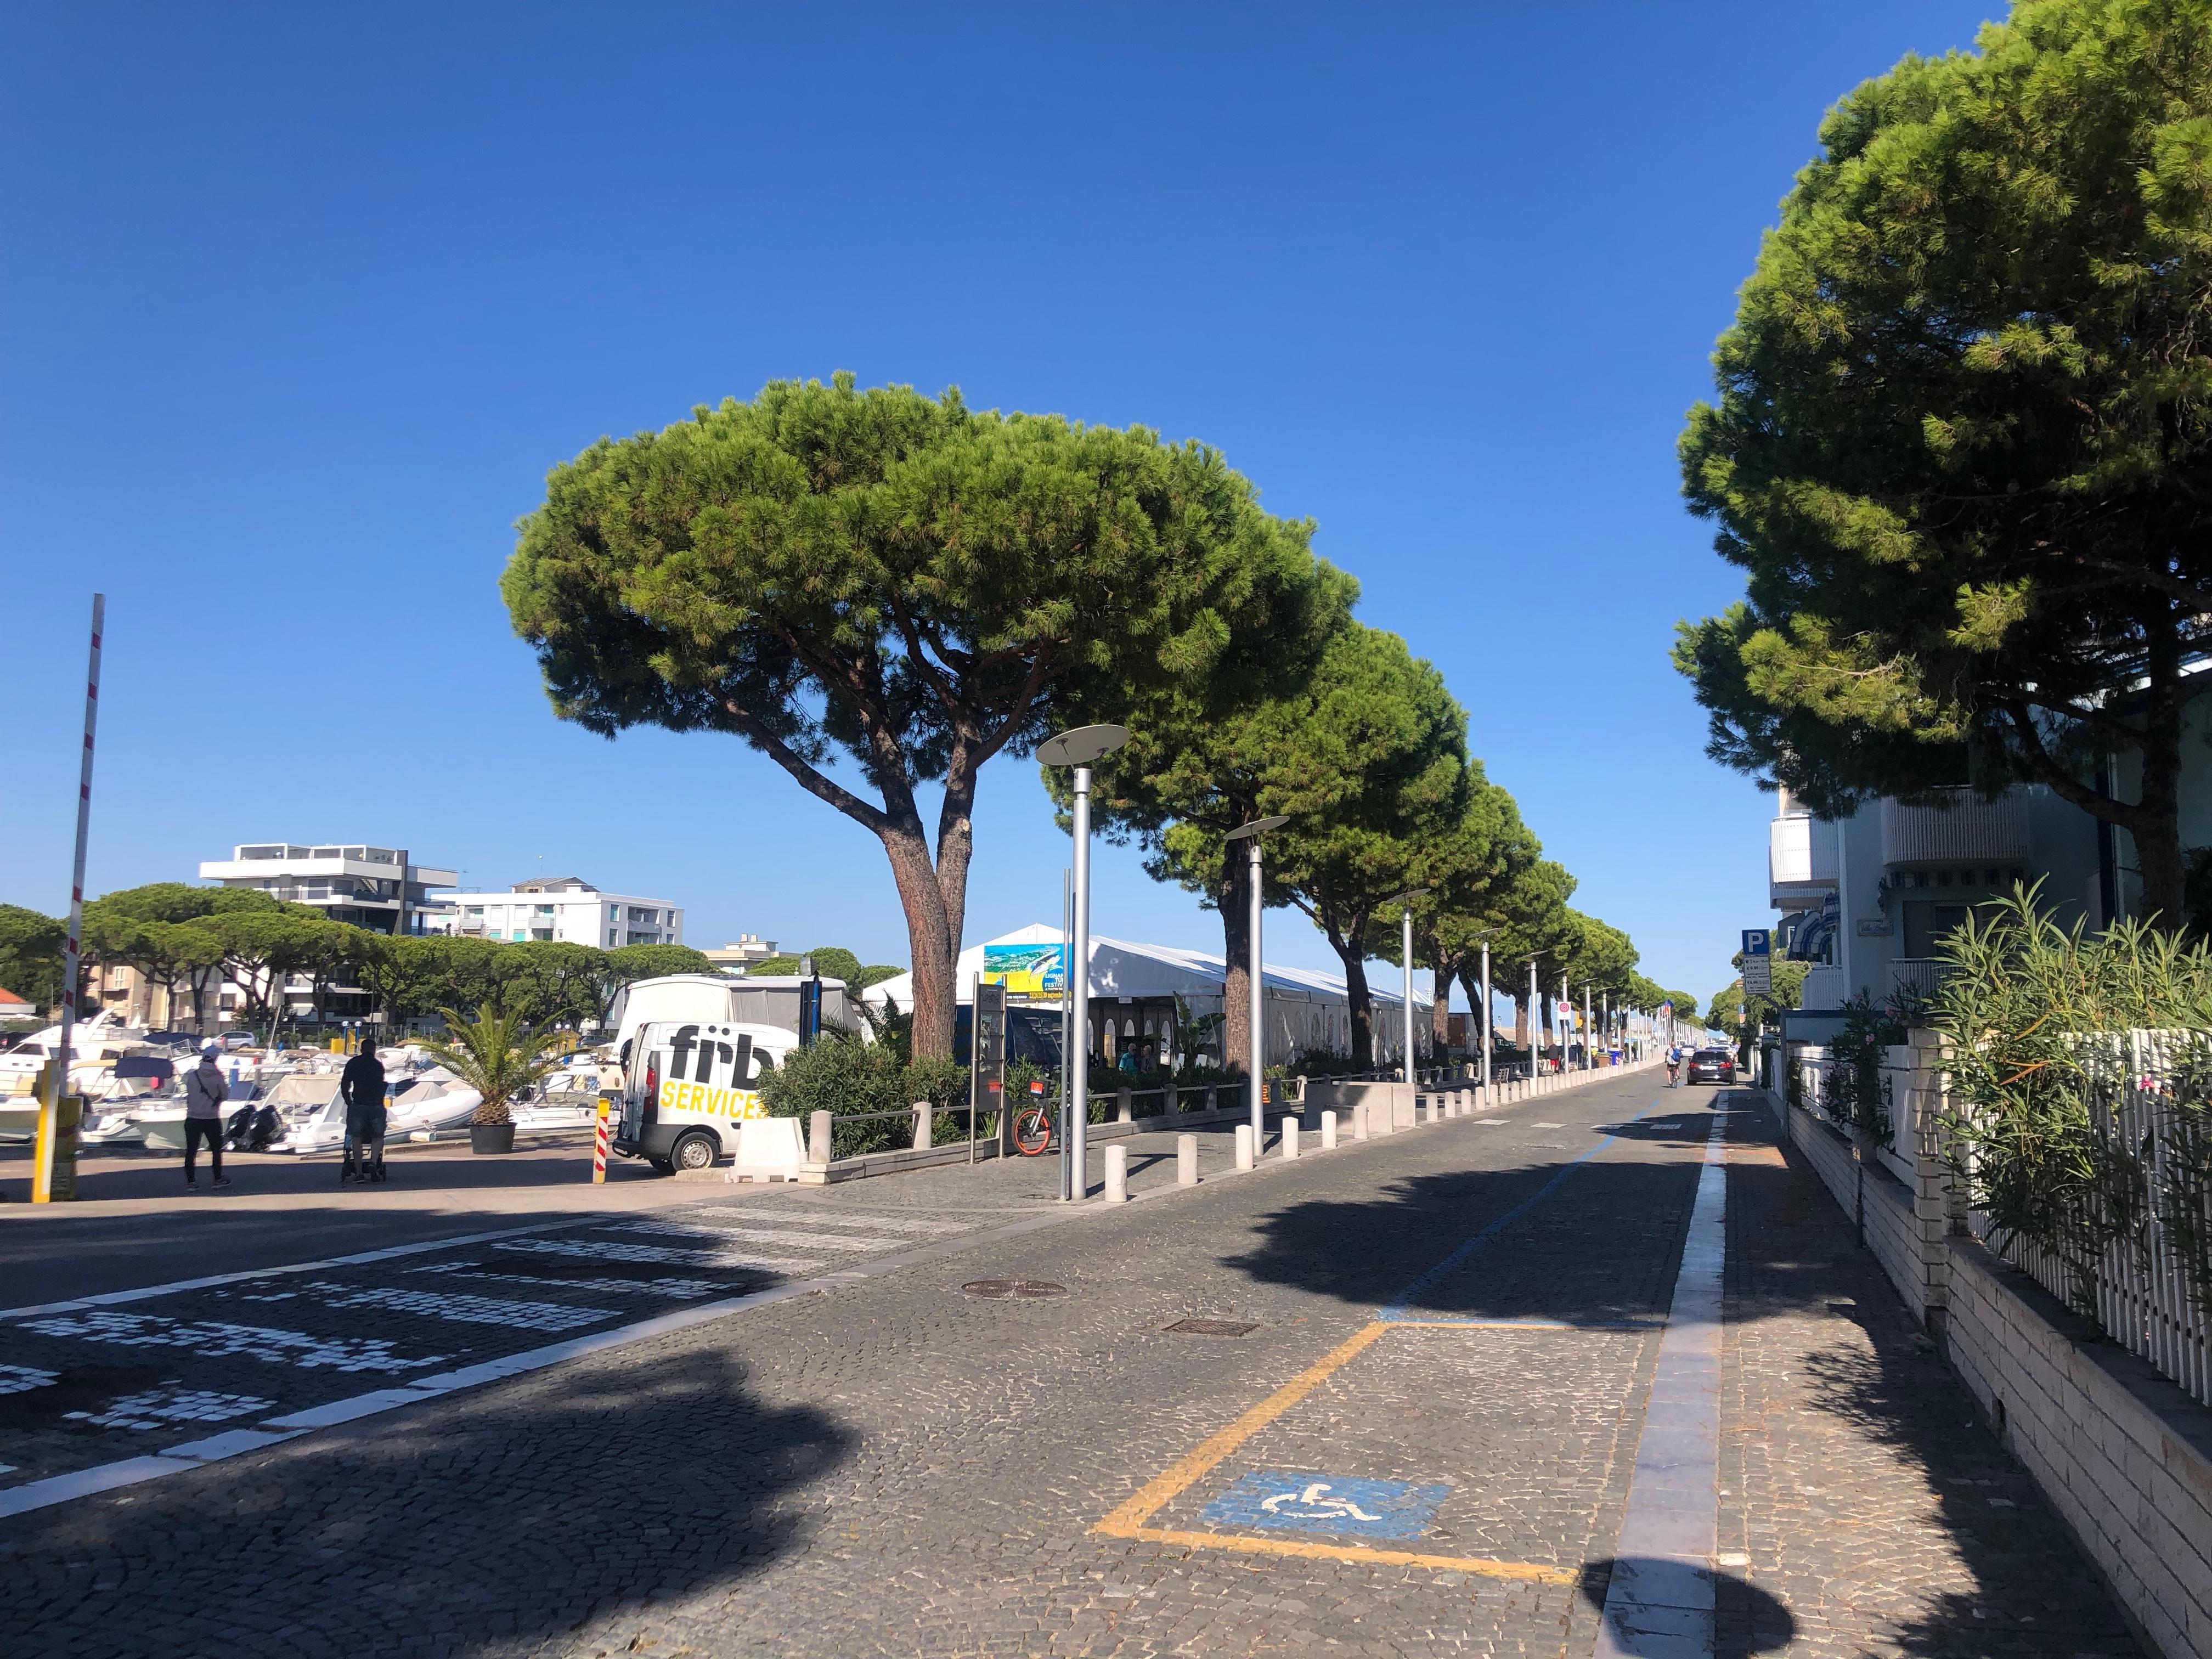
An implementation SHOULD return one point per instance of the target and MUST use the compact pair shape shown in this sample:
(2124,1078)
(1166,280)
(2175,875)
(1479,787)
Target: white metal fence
(2148,1093)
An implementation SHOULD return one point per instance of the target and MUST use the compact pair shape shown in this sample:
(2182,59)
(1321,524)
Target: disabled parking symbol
(1303,1501)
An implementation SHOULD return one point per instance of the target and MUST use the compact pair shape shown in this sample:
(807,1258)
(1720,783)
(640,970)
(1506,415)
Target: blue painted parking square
(1299,1501)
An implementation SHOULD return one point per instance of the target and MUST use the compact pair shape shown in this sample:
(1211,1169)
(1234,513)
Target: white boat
(566,1099)
(425,1105)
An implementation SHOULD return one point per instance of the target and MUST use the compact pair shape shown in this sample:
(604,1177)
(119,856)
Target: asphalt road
(1384,1399)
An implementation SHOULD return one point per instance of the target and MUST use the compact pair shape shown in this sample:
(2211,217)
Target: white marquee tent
(1138,987)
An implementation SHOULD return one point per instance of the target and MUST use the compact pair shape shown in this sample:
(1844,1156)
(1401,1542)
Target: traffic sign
(1758,962)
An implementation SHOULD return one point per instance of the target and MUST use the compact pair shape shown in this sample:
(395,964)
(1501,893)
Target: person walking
(362,1085)
(204,1093)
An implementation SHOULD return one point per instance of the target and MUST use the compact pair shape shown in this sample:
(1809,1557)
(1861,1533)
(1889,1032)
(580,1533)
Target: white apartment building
(1864,899)
(565,907)
(362,885)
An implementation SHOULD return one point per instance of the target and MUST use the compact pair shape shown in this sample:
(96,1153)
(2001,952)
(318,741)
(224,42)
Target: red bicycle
(1033,1123)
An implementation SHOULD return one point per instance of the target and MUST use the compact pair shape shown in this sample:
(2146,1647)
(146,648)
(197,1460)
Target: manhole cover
(1005,1287)
(1214,1327)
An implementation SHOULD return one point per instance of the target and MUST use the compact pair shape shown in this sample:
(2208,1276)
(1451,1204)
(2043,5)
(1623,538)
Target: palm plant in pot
(499,1055)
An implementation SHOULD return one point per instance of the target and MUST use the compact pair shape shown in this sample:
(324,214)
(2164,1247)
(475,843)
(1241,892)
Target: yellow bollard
(53,1170)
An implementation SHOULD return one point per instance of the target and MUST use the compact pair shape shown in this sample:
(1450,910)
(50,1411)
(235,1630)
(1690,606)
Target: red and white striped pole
(43,1168)
(599,1145)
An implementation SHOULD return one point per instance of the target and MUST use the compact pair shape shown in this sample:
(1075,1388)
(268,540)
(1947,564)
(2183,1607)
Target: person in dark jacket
(361,1086)
(204,1093)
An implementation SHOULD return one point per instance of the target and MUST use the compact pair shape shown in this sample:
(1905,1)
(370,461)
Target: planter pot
(491,1137)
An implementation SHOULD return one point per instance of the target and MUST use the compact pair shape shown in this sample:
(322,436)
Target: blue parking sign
(1758,942)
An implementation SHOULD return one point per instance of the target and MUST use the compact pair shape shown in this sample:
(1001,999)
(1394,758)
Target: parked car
(1711,1066)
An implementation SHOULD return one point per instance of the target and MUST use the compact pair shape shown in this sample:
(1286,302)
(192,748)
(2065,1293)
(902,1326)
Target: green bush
(848,1078)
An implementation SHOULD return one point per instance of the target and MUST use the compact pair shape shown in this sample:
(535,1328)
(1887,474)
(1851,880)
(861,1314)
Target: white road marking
(162,1408)
(22,1379)
(755,1235)
(131,1471)
(218,1340)
(793,1214)
(682,1290)
(177,1286)
(463,1309)
(611,1251)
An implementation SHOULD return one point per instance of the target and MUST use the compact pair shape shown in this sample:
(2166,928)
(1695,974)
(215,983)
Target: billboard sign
(1029,972)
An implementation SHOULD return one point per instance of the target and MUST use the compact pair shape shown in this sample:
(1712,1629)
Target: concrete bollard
(1125,1108)
(1171,1101)
(922,1125)
(1186,1160)
(1117,1175)
(1289,1137)
(1328,1131)
(1212,1097)
(1244,1146)
(817,1138)
(1360,1126)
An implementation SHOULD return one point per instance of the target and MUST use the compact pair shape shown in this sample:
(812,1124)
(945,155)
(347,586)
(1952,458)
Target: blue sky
(300,303)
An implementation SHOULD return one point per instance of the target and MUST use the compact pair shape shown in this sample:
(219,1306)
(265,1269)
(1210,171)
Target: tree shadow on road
(1902,1429)
(1592,1241)
(498,1521)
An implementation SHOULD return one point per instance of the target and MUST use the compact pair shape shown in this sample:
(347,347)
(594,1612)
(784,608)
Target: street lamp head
(1408,895)
(1257,827)
(1082,745)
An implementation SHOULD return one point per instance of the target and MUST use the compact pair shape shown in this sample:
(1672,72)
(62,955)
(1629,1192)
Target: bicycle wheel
(1032,1130)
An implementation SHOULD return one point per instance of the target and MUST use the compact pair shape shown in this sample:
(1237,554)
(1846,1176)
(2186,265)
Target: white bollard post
(1361,1128)
(1117,1175)
(1289,1137)
(1244,1146)
(1328,1131)
(922,1117)
(1186,1160)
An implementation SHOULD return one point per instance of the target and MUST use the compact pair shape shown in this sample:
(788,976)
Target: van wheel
(694,1151)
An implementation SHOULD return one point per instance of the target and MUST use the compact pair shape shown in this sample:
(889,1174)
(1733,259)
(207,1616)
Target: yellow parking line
(1129,1520)
(1193,1464)
(1526,1571)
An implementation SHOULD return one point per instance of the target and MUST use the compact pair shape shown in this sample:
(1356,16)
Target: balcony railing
(1918,974)
(1963,829)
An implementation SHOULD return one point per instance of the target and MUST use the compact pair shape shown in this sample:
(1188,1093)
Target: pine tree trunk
(1363,1009)
(936,988)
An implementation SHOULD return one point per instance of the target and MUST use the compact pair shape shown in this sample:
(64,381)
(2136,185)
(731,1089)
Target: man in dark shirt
(361,1086)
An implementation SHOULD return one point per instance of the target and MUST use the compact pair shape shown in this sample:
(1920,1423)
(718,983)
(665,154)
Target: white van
(690,1083)
(724,1001)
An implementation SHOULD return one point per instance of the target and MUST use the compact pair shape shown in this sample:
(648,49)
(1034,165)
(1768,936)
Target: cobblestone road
(1350,1451)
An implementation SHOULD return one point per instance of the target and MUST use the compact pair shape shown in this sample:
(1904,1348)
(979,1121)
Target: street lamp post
(1404,903)
(1255,1038)
(1486,1016)
(1536,1015)
(1077,749)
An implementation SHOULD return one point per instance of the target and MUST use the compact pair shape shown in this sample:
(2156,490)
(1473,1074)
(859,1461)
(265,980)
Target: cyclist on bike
(1673,1064)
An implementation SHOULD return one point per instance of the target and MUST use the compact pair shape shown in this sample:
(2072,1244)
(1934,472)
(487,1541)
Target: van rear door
(692,1075)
